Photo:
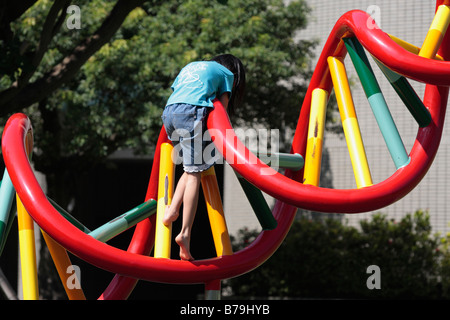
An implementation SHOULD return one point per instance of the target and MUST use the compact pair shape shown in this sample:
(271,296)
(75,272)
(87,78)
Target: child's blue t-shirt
(200,82)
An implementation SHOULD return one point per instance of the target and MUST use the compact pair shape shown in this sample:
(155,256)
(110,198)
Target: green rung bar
(258,204)
(7,208)
(116,226)
(408,95)
(377,102)
(68,216)
(293,161)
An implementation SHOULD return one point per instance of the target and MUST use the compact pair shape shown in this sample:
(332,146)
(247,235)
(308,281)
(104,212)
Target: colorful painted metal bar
(350,122)
(377,102)
(124,221)
(410,47)
(163,233)
(62,263)
(7,194)
(436,32)
(213,290)
(27,253)
(143,238)
(258,204)
(12,215)
(408,95)
(216,215)
(69,217)
(27,245)
(283,160)
(313,156)
(291,192)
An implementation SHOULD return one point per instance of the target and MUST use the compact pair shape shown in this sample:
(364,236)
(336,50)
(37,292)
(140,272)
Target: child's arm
(224,98)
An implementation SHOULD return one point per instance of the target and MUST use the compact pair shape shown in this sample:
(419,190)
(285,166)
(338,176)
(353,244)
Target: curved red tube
(143,237)
(126,263)
(374,197)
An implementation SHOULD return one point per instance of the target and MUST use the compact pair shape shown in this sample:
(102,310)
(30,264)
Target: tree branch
(71,64)
(47,34)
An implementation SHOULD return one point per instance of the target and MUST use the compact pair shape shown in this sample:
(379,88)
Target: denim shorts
(185,125)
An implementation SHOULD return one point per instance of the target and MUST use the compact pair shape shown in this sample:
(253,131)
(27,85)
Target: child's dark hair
(234,65)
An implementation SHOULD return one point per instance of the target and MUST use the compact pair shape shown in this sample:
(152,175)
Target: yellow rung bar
(62,262)
(27,253)
(436,32)
(313,157)
(410,47)
(350,122)
(163,233)
(216,215)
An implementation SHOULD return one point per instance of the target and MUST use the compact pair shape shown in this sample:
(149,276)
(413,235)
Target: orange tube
(215,213)
(62,262)
(350,122)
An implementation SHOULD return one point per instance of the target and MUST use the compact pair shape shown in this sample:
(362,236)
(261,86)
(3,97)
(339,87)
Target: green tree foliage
(445,265)
(100,88)
(326,259)
(115,99)
(31,29)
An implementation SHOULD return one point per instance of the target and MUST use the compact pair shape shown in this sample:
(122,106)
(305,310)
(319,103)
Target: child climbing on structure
(184,118)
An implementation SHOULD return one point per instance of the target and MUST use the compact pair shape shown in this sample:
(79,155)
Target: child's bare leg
(190,201)
(172,210)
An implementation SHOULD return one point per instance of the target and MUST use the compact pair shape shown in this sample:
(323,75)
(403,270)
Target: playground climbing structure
(350,41)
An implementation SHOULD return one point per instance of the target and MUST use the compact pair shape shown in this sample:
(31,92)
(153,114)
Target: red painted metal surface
(378,195)
(134,262)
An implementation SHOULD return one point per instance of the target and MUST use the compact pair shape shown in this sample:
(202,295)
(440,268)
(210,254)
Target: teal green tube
(7,195)
(396,147)
(377,102)
(408,95)
(285,160)
(68,216)
(12,214)
(258,204)
(116,226)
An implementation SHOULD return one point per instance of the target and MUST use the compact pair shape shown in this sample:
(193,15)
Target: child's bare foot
(183,242)
(169,216)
